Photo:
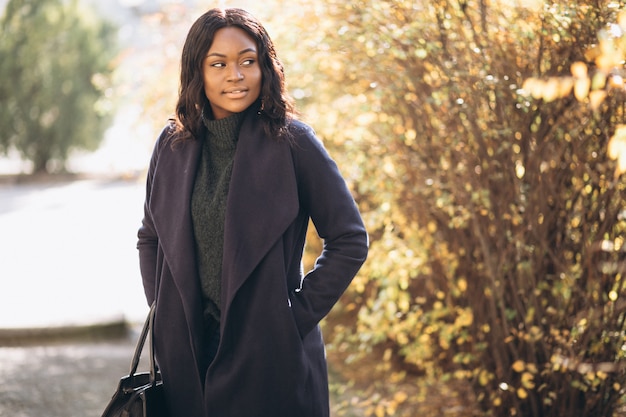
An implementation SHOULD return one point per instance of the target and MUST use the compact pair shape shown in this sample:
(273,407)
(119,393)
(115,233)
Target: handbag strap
(153,365)
(147,328)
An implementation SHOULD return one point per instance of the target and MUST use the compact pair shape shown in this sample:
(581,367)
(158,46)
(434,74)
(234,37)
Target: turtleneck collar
(224,132)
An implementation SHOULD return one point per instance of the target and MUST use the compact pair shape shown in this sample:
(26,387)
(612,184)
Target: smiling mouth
(243,90)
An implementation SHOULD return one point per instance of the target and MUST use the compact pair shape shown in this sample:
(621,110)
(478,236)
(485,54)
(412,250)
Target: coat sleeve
(324,194)
(148,241)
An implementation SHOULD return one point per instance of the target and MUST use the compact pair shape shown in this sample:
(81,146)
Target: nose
(235,73)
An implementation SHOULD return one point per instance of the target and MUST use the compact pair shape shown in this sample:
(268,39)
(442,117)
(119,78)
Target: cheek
(206,82)
(259,82)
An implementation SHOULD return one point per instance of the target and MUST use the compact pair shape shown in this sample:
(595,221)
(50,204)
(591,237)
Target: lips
(236,91)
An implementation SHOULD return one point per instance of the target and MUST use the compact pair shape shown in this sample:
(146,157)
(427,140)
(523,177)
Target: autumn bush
(496,219)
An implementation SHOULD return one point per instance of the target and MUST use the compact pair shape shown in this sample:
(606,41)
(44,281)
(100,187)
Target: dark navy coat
(271,358)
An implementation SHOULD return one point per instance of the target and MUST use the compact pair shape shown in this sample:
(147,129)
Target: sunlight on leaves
(617,149)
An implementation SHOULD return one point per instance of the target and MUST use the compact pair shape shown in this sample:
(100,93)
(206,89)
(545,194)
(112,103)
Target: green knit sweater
(208,207)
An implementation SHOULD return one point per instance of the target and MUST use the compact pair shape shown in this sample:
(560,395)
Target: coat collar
(262,203)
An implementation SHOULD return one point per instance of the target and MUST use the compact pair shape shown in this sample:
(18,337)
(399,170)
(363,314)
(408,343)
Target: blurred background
(484,141)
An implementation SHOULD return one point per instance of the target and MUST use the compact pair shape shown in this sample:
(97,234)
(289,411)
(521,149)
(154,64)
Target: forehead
(232,39)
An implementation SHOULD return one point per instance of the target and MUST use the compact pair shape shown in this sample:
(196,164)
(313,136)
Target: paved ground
(73,379)
(77,378)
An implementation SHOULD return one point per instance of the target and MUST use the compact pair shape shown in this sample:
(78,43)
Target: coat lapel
(262,203)
(170,205)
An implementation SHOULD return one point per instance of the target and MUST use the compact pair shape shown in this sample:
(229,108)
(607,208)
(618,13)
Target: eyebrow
(245,51)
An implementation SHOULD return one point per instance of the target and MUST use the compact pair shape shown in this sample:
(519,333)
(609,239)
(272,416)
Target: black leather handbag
(139,394)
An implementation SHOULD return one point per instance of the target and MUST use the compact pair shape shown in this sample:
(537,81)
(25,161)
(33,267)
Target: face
(231,72)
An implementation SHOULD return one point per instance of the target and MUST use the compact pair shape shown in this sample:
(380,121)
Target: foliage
(594,82)
(496,219)
(55,89)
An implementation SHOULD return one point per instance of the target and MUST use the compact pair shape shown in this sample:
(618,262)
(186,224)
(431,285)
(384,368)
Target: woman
(231,187)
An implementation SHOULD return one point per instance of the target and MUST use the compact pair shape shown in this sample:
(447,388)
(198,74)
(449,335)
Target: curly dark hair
(274,104)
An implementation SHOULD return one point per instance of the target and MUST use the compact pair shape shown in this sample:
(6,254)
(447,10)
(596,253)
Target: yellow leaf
(592,53)
(616,81)
(551,89)
(527,380)
(410,135)
(484,377)
(534,87)
(460,374)
(565,86)
(536,331)
(521,393)
(617,144)
(617,149)
(596,98)
(465,318)
(444,344)
(581,88)
(400,397)
(579,69)
(608,61)
(598,81)
(518,366)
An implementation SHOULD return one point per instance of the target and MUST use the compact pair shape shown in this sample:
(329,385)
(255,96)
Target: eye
(218,65)
(248,62)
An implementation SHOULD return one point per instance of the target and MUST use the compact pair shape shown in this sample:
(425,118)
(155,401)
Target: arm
(324,194)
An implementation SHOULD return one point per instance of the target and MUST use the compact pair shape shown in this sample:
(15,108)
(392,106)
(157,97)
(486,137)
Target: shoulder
(165,143)
(298,128)
(168,133)
(307,149)
(169,137)
(303,136)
